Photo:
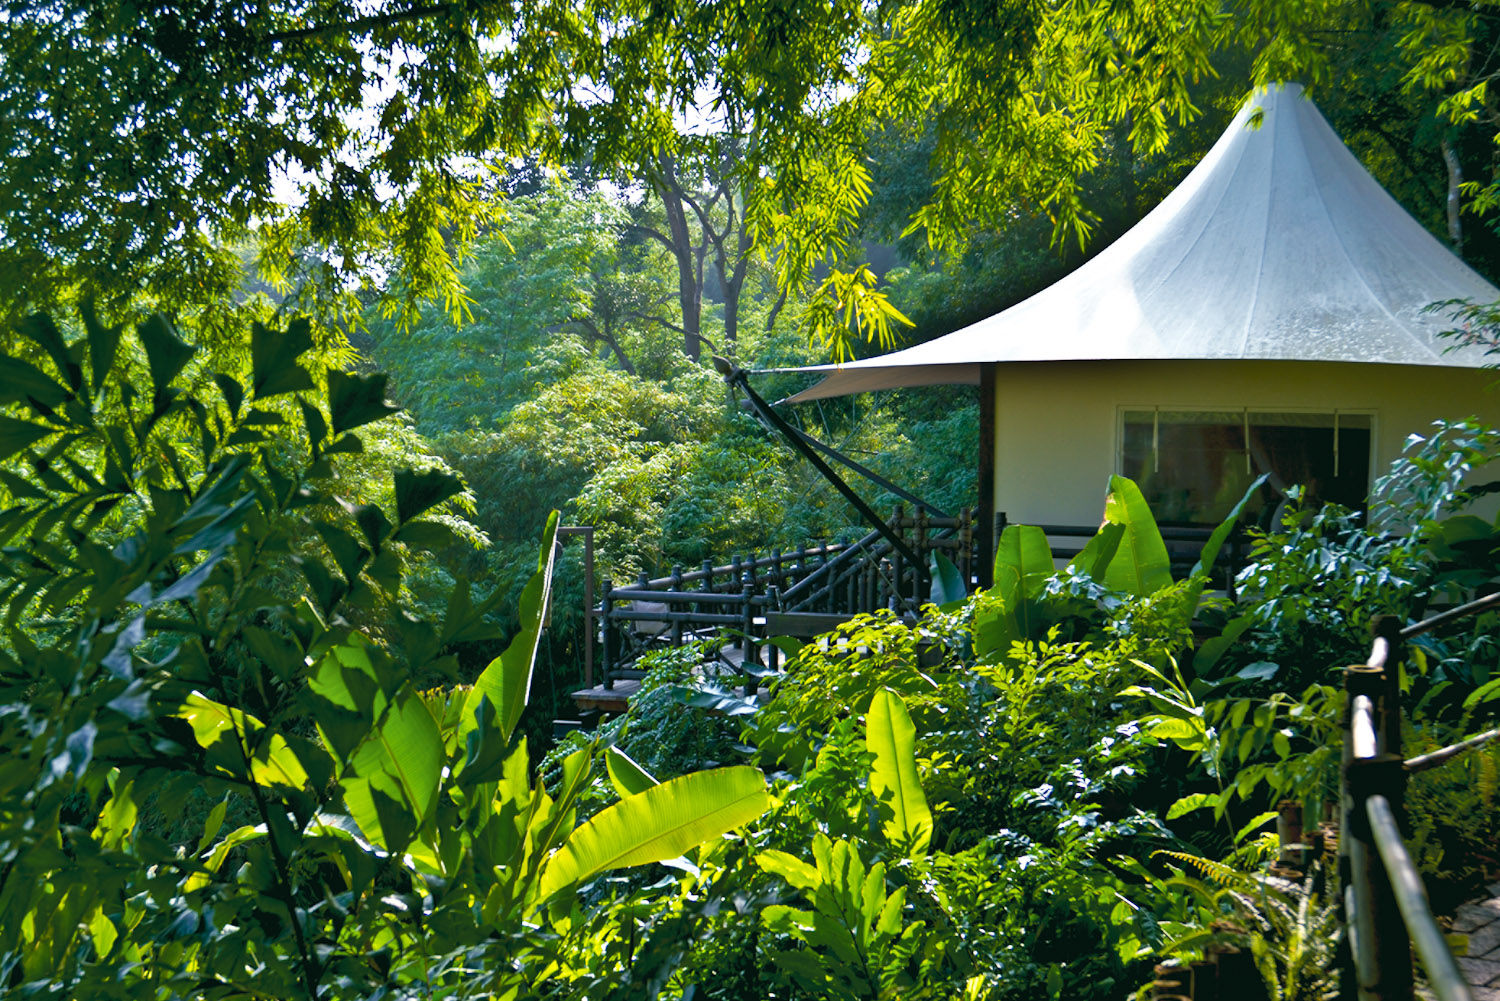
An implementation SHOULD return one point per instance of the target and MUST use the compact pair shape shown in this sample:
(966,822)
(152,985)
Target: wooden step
(609,700)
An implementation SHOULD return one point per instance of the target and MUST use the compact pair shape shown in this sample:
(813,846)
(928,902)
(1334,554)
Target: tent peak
(1278,245)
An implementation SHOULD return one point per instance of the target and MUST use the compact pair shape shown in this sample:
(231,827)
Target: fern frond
(1214,872)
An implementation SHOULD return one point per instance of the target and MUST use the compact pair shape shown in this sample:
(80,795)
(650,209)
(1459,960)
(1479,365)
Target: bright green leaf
(1140,565)
(628,777)
(891,738)
(660,823)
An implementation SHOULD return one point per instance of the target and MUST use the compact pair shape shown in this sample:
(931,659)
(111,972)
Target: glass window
(1193,466)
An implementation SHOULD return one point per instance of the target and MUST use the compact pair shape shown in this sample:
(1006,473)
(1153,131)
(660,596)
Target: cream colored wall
(1057,423)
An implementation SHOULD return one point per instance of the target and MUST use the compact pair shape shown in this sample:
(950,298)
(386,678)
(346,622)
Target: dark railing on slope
(838,579)
(1385,910)
(835,579)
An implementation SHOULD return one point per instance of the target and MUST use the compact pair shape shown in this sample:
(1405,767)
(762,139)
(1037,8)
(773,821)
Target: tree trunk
(732,280)
(689,288)
(1455,179)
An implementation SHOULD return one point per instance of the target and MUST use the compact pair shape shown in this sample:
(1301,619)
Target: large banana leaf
(1023,559)
(1140,565)
(660,823)
(506,682)
(995,626)
(1023,563)
(391,784)
(625,774)
(892,739)
(1221,534)
(947,583)
(1094,558)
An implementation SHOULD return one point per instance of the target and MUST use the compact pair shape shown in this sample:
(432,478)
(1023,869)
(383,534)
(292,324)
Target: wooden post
(589,615)
(1381,953)
(748,625)
(1170,981)
(986,472)
(1289,833)
(773,653)
(607,637)
(898,569)
(920,593)
(966,546)
(1388,628)
(676,589)
(1236,978)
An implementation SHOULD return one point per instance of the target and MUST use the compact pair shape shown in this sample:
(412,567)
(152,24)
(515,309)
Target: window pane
(1200,466)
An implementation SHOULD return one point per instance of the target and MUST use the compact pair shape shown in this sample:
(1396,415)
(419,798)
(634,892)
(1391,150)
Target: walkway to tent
(752,599)
(1479,922)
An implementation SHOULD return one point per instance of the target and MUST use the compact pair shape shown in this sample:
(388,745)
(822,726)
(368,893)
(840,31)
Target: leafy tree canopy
(142,139)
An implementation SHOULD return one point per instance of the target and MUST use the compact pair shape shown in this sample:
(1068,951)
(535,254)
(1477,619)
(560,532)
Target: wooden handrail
(1386,911)
(1443,618)
(1443,975)
(1432,759)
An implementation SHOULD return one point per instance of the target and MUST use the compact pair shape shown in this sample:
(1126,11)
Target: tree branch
(650,318)
(358,25)
(654,234)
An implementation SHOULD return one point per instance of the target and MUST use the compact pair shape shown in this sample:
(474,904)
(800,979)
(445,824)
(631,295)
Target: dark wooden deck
(607,700)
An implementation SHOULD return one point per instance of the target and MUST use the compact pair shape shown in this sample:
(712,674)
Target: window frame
(1370,413)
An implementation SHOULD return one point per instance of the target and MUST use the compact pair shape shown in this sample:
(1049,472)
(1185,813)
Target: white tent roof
(1278,245)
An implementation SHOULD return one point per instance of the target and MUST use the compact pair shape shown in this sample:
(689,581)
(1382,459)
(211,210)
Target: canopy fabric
(1279,245)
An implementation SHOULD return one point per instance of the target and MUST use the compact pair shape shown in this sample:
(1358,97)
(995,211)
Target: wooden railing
(844,578)
(1184,544)
(1385,910)
(838,578)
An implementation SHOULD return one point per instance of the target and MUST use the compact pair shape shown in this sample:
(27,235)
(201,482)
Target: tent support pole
(985,530)
(866,472)
(735,376)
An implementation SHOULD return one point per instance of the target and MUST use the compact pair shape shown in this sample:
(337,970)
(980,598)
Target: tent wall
(1057,424)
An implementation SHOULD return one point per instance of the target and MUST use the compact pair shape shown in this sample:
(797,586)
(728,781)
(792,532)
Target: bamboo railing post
(1381,947)
(676,589)
(773,652)
(1388,630)
(898,568)
(607,635)
(966,546)
(748,626)
(920,593)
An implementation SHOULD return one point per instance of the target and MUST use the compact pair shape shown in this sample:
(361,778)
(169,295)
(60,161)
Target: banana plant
(1127,555)
(439,781)
(1008,611)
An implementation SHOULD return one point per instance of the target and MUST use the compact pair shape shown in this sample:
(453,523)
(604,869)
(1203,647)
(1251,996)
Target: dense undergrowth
(242,762)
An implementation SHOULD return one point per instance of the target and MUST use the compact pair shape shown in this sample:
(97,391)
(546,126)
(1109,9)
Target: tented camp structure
(1270,315)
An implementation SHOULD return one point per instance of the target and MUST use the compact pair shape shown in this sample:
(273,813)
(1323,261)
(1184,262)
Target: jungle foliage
(368,150)
(246,761)
(228,771)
